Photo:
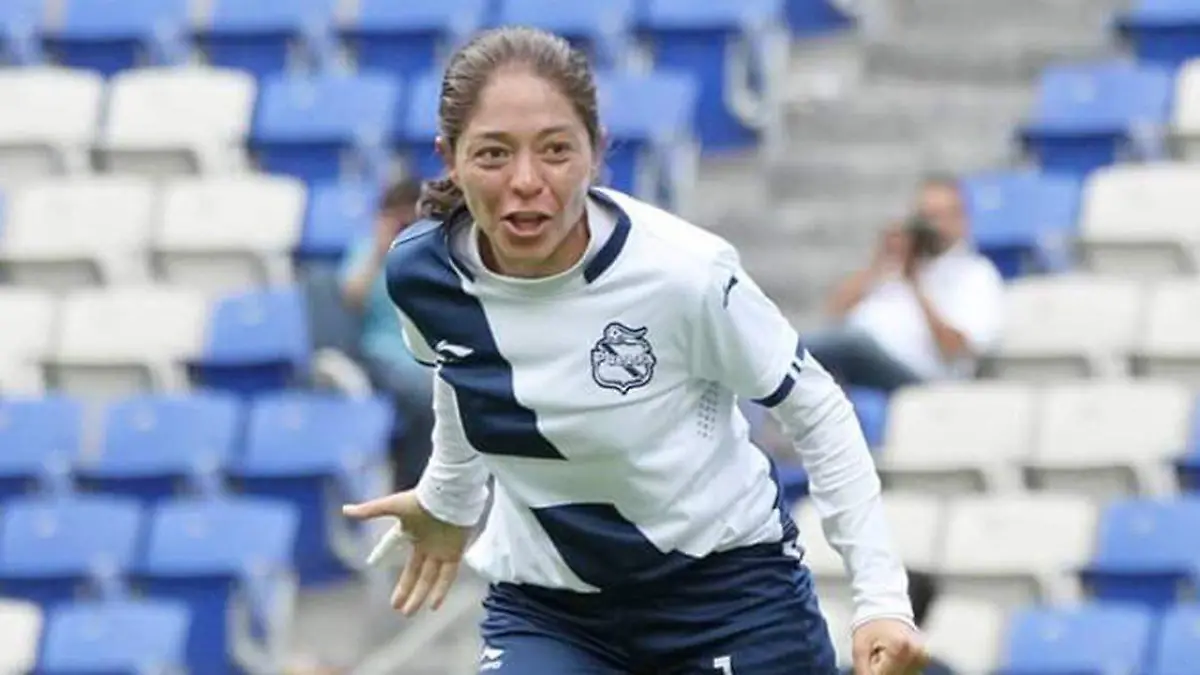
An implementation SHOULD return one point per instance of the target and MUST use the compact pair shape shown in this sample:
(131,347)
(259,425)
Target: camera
(926,240)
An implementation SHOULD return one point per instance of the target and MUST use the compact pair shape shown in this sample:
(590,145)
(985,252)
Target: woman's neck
(566,255)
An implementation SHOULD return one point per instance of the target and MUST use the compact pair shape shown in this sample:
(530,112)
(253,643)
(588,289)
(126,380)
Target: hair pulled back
(471,68)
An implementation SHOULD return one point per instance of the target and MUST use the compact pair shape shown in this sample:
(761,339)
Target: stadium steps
(934,86)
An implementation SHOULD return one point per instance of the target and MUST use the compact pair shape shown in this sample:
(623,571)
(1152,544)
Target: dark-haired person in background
(925,307)
(387,359)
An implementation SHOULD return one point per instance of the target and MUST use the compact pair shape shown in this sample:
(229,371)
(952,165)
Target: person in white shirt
(926,308)
(590,351)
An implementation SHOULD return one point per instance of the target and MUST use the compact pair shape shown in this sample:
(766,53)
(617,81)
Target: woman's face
(524,163)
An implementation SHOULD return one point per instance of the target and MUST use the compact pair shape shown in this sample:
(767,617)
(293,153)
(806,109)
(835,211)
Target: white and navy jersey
(603,402)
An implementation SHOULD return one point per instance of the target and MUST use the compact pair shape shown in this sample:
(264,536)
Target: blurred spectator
(389,364)
(924,309)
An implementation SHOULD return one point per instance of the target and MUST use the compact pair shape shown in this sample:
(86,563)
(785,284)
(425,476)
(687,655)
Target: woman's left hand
(888,647)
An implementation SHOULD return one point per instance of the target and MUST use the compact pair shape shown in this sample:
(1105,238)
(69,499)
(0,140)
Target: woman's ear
(447,154)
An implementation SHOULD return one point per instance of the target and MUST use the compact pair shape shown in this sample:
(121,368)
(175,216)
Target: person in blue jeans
(925,308)
(382,349)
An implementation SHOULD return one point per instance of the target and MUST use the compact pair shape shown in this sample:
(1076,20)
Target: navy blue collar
(598,265)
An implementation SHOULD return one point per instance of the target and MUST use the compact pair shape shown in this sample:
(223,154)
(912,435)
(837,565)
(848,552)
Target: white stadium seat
(64,234)
(1170,340)
(965,633)
(129,339)
(1067,327)
(958,437)
(839,616)
(20,636)
(171,121)
(230,233)
(916,524)
(1111,438)
(1135,220)
(1016,549)
(26,332)
(1185,113)
(51,129)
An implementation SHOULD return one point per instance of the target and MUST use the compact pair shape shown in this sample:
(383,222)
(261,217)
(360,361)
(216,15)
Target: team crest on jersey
(622,358)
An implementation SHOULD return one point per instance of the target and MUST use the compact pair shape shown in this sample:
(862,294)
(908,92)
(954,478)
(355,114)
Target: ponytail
(438,198)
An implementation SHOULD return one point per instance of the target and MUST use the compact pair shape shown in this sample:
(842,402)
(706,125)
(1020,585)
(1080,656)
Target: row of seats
(264,38)
(732,47)
(321,128)
(1123,219)
(1104,438)
(1071,326)
(1029,549)
(100,342)
(219,556)
(89,636)
(976,637)
(146,446)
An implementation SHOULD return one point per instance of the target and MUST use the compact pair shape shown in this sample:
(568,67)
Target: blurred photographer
(924,309)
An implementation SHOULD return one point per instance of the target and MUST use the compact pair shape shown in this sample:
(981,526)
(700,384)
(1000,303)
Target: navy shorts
(750,611)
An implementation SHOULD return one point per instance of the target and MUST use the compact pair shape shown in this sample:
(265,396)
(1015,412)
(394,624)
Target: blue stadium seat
(1178,649)
(115,637)
(257,341)
(40,438)
(1146,551)
(261,37)
(52,548)
(418,127)
(316,451)
(1189,464)
(324,127)
(1077,641)
(153,443)
(1024,221)
(203,553)
(812,17)
(1163,32)
(792,480)
(338,213)
(600,29)
(108,36)
(1087,115)
(406,38)
(20,21)
(648,118)
(700,38)
(871,406)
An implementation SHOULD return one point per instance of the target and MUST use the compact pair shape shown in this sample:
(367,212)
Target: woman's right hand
(437,548)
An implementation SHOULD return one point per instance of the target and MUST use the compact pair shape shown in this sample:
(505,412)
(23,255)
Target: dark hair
(404,193)
(469,71)
(942,180)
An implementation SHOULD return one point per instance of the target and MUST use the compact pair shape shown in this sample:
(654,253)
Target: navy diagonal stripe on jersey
(424,285)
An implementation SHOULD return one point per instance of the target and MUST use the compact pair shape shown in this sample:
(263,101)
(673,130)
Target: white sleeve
(845,489)
(454,486)
(975,307)
(741,339)
(746,343)
(422,352)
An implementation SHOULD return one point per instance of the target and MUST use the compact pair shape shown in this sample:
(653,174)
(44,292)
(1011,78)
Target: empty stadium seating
(115,637)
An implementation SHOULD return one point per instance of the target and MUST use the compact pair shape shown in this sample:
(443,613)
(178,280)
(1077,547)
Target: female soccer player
(589,353)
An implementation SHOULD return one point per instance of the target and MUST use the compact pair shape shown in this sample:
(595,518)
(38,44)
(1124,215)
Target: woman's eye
(492,154)
(557,149)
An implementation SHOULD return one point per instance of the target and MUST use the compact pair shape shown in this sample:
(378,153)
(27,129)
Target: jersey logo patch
(623,359)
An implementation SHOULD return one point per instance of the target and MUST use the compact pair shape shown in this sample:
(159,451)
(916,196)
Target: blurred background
(197,362)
